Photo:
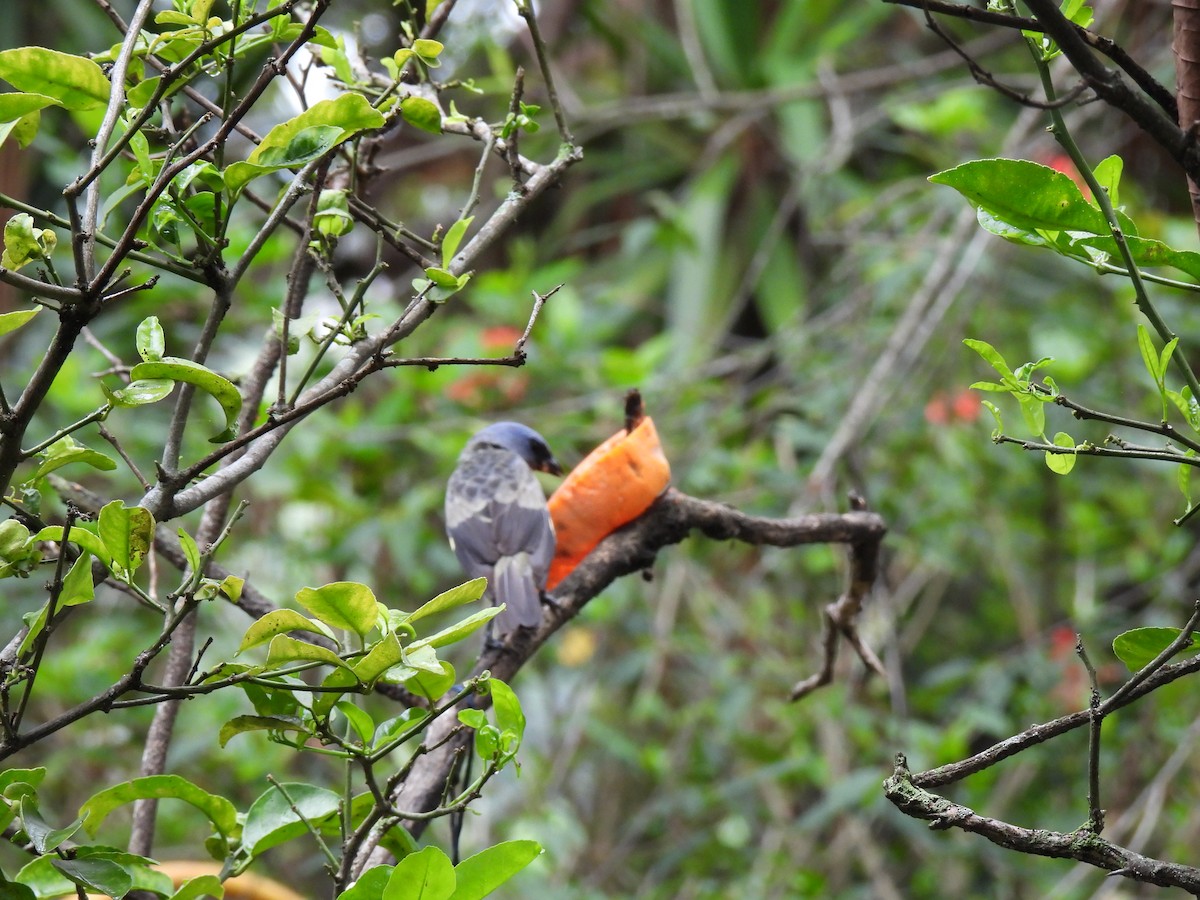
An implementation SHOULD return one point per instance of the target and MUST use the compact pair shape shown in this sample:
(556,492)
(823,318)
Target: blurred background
(752,242)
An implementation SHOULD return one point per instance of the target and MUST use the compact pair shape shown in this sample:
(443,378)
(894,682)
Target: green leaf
(271,819)
(422,113)
(200,887)
(44,837)
(14,106)
(127,532)
(12,321)
(430,685)
(219,811)
(1024,194)
(343,604)
(992,356)
(66,451)
(74,81)
(78,588)
(467,592)
(404,725)
(424,875)
(1183,478)
(1034,413)
(507,707)
(217,386)
(22,242)
(429,50)
(279,621)
(243,724)
(101,875)
(453,238)
(1146,252)
(31,777)
(460,629)
(150,340)
(1061,463)
(369,886)
(360,720)
(284,650)
(24,129)
(1108,173)
(139,393)
(1136,648)
(80,537)
(385,654)
(283,146)
(479,875)
(191,550)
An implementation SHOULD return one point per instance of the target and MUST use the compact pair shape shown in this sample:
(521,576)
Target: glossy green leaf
(307,136)
(67,451)
(139,393)
(507,707)
(343,604)
(81,537)
(1138,647)
(1024,194)
(424,875)
(1108,173)
(1034,413)
(44,837)
(454,236)
(461,629)
(284,650)
(1146,253)
(369,886)
(100,875)
(150,340)
(479,875)
(219,811)
(406,724)
(279,621)
(421,113)
(127,532)
(430,685)
(272,820)
(217,386)
(1061,463)
(467,592)
(992,356)
(32,777)
(13,320)
(360,720)
(429,50)
(74,81)
(244,724)
(21,242)
(385,654)
(200,887)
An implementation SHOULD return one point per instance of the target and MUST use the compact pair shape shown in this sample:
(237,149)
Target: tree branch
(1083,844)
(631,549)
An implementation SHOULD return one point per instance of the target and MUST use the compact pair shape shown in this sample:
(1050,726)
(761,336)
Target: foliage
(752,241)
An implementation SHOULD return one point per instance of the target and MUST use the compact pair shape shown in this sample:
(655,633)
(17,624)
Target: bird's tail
(513,584)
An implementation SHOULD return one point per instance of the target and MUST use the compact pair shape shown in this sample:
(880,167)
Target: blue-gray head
(521,440)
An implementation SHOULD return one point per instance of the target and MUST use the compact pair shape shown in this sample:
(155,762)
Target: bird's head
(521,440)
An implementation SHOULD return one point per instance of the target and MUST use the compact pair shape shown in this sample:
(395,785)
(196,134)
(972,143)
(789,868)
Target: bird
(497,520)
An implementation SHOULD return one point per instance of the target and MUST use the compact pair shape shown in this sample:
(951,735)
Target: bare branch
(1083,845)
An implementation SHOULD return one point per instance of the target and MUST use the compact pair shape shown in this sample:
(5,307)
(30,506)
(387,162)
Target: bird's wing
(495,508)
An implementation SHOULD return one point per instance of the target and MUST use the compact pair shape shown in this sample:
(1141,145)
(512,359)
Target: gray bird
(497,520)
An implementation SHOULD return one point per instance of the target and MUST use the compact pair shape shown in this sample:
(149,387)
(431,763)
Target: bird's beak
(551,465)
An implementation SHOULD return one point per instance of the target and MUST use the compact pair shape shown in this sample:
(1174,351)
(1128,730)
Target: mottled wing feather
(500,528)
